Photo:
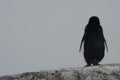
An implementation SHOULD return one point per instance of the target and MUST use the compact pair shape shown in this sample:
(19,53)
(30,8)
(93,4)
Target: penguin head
(94,20)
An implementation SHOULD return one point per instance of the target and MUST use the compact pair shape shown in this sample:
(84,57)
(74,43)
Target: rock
(101,72)
(69,75)
(50,77)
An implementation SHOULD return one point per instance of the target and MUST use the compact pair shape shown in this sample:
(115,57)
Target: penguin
(94,42)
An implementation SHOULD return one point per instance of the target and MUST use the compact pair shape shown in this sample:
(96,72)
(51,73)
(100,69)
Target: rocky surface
(101,72)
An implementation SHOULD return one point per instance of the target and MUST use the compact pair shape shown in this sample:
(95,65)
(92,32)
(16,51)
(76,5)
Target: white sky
(46,34)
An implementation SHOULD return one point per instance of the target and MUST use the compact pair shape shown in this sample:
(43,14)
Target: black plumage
(94,42)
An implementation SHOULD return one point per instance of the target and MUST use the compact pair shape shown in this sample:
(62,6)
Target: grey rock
(69,75)
(50,77)
(101,72)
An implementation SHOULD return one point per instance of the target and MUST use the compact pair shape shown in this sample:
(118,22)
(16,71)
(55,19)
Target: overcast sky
(45,34)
